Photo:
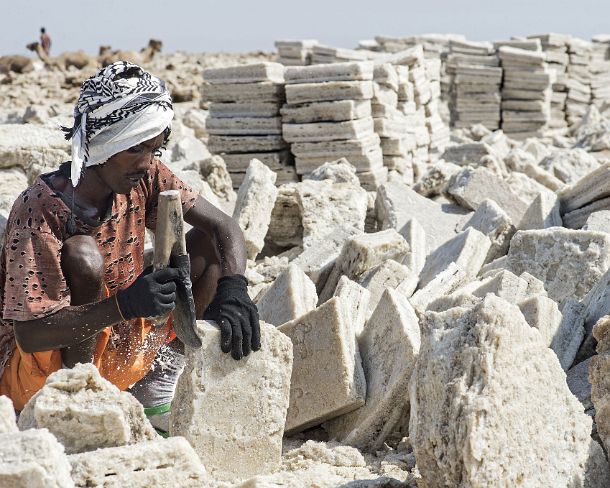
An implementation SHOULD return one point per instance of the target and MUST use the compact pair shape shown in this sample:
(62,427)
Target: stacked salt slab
(555,46)
(295,53)
(600,71)
(327,54)
(476,78)
(526,92)
(391,124)
(327,116)
(578,80)
(437,127)
(244,120)
(418,100)
(436,46)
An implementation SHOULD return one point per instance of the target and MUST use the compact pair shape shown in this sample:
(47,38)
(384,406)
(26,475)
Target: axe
(170,239)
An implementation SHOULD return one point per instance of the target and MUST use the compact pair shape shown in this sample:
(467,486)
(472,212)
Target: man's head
(42,30)
(123,171)
(119,109)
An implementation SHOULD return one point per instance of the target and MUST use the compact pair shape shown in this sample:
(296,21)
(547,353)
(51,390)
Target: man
(72,284)
(45,41)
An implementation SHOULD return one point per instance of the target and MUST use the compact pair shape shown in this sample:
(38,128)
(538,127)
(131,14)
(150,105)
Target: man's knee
(81,259)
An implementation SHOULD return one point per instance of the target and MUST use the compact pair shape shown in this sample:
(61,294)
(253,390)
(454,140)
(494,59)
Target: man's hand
(237,316)
(152,294)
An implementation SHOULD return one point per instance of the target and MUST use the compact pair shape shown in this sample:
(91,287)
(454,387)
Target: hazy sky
(224,25)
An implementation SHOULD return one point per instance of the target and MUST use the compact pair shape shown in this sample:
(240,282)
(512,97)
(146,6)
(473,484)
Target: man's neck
(92,192)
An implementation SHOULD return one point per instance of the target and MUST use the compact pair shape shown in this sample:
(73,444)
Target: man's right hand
(152,294)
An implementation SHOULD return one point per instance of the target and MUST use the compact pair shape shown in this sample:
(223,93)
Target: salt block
(389,274)
(600,380)
(363,252)
(255,201)
(356,301)
(247,73)
(458,298)
(329,91)
(389,346)
(598,221)
(543,314)
(336,149)
(329,72)
(597,474)
(397,203)
(591,187)
(556,255)
(491,220)
(265,91)
(233,412)
(534,285)
(244,126)
(291,295)
(160,463)
(570,334)
(328,131)
(347,209)
(580,386)
(468,250)
(415,235)
(33,459)
(471,187)
(542,213)
(445,283)
(340,110)
(514,424)
(243,109)
(242,144)
(339,171)
(85,411)
(327,377)
(8,422)
(503,284)
(318,260)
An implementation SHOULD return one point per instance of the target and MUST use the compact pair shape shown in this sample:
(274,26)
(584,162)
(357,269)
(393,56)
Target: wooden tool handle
(169,234)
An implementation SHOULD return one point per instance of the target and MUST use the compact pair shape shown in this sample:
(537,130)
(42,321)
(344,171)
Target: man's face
(123,171)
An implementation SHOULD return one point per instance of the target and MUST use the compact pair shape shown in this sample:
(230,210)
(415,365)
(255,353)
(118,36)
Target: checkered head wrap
(119,107)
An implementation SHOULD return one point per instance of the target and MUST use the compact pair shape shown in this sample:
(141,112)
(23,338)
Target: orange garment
(32,284)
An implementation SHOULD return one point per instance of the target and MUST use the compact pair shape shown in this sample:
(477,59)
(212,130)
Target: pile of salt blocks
(526,92)
(555,47)
(474,310)
(578,80)
(81,431)
(244,120)
(328,116)
(295,53)
(475,93)
(600,70)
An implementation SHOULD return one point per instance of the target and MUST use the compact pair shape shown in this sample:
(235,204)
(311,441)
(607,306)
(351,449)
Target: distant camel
(146,54)
(78,59)
(16,64)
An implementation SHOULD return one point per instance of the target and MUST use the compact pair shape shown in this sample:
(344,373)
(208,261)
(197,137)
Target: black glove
(237,316)
(152,294)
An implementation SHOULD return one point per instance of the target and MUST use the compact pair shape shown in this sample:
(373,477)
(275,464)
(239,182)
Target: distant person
(45,41)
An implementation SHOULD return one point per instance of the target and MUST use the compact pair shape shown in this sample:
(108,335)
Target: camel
(78,59)
(146,54)
(16,64)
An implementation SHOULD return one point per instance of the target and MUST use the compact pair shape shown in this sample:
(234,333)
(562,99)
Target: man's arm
(231,307)
(224,233)
(152,294)
(67,327)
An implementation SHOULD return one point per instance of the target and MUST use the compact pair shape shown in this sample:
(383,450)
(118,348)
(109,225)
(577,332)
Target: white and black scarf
(119,107)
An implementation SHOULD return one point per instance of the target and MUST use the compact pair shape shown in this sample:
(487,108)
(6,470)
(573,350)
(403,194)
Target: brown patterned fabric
(32,284)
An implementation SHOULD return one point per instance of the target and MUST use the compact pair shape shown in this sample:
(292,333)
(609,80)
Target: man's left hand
(237,316)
